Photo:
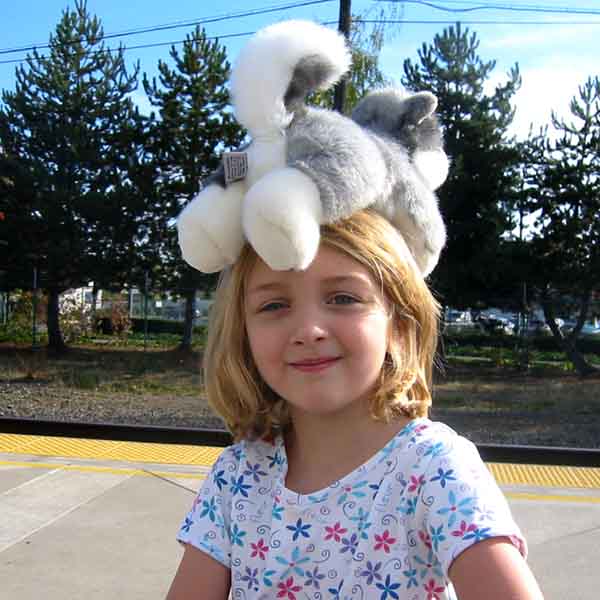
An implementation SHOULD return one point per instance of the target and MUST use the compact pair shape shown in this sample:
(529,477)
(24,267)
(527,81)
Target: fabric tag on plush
(235,165)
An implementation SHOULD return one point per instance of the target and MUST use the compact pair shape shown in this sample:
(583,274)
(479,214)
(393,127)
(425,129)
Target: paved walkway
(98,524)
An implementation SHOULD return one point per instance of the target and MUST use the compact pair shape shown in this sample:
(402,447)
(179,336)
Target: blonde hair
(235,388)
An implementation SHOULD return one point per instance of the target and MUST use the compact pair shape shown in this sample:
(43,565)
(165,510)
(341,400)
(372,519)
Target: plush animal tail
(279,67)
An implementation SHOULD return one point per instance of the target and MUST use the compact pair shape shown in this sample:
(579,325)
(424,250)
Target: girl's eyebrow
(333,280)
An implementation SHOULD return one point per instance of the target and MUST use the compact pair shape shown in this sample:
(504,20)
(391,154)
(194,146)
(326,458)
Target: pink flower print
(384,541)
(433,590)
(259,549)
(335,532)
(425,538)
(287,589)
(416,483)
(464,529)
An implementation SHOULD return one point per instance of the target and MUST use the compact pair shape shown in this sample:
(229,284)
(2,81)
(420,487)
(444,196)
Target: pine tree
(565,197)
(70,125)
(193,127)
(364,74)
(476,198)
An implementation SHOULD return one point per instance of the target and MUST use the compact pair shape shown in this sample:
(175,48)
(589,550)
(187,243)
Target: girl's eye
(344,299)
(272,306)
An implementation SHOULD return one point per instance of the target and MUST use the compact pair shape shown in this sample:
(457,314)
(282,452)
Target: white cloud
(542,37)
(545,88)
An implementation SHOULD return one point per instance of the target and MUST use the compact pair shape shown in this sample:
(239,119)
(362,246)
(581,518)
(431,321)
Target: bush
(18,329)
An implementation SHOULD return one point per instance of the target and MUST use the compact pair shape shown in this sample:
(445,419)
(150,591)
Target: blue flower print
(352,490)
(276,513)
(454,509)
(444,476)
(478,534)
(371,572)
(187,524)
(349,544)
(238,453)
(411,575)
(408,506)
(293,564)
(276,459)
(388,589)
(336,591)
(363,524)
(267,577)
(239,486)
(430,564)
(237,535)
(435,449)
(251,578)
(375,488)
(254,471)
(299,529)
(436,536)
(314,578)
(208,508)
(219,480)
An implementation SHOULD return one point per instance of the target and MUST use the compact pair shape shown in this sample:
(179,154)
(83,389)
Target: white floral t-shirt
(388,530)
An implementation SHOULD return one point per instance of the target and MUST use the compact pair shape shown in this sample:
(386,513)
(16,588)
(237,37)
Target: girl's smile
(319,336)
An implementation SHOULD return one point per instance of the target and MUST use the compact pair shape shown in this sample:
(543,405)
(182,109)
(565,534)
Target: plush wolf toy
(307,166)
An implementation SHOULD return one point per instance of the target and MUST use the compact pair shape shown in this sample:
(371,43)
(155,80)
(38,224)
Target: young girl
(339,486)
(320,353)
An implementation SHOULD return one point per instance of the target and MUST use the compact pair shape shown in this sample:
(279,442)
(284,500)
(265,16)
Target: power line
(505,7)
(329,23)
(179,24)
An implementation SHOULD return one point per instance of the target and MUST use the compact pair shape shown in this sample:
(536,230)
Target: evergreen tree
(476,199)
(364,74)
(70,128)
(193,127)
(565,197)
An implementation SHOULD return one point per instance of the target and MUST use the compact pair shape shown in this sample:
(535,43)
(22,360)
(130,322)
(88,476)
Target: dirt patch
(488,405)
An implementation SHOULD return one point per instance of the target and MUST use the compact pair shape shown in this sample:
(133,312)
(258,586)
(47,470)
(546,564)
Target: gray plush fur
(366,161)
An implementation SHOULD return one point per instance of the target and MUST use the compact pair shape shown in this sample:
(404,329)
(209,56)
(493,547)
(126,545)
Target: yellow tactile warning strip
(177,454)
(546,476)
(505,474)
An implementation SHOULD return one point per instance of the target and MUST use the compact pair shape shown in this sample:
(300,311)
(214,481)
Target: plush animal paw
(210,228)
(281,217)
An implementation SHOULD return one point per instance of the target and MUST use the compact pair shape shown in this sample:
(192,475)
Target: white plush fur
(281,217)
(210,228)
(276,50)
(432,166)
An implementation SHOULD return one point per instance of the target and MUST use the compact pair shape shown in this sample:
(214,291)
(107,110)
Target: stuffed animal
(307,166)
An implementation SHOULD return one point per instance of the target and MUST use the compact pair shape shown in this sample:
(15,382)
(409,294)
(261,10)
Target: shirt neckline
(347,482)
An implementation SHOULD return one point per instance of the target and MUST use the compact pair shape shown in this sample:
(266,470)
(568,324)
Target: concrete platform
(81,526)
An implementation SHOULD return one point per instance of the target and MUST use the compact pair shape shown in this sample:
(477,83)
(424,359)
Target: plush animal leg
(210,227)
(281,216)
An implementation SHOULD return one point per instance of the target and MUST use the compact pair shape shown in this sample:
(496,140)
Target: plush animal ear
(418,107)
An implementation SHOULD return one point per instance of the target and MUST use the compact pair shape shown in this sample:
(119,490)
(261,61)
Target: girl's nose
(309,328)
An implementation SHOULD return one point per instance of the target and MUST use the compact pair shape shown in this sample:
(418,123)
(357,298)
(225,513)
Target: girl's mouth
(313,365)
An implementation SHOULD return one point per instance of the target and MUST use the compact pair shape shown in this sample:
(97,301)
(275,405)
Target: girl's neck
(325,448)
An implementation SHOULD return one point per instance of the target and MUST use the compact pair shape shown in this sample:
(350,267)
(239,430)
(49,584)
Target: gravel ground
(44,401)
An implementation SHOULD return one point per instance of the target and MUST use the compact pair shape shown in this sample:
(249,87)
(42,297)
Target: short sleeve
(461,504)
(208,524)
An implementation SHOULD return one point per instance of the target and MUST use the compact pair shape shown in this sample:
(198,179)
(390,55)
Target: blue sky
(554,58)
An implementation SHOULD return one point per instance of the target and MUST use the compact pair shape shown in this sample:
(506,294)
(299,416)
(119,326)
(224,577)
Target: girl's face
(318,337)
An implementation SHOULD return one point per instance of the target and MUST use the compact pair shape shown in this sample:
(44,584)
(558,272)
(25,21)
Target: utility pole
(339,92)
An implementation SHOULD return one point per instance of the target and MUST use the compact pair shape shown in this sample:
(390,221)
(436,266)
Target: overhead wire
(275,8)
(504,7)
(179,24)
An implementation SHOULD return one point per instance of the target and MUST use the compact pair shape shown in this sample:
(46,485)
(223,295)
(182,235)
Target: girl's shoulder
(427,442)
(253,452)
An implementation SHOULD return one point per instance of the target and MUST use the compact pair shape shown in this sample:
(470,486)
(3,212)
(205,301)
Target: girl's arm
(199,576)
(495,570)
